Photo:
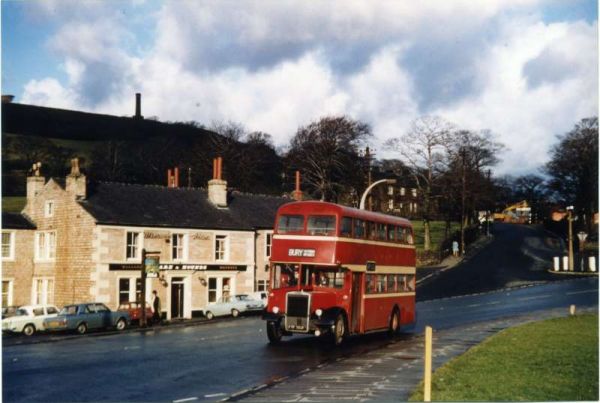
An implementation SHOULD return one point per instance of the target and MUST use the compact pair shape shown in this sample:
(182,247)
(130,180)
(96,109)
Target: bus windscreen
(321,225)
(290,223)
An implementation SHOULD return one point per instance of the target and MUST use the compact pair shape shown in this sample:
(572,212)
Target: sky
(527,70)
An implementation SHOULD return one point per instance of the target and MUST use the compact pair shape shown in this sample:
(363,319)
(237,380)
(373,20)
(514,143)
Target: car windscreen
(69,310)
(20,312)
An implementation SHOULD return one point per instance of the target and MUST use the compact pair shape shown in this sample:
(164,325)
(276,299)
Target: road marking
(581,292)
(215,395)
(132,348)
(494,303)
(188,399)
(537,297)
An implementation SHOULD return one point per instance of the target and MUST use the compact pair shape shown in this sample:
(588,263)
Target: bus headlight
(275,309)
(319,312)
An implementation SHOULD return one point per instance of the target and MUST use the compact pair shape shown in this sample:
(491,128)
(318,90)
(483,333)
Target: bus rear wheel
(339,330)
(274,332)
(394,323)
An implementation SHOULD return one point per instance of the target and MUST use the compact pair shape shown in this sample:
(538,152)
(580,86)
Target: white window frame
(49,208)
(268,244)
(11,245)
(183,246)
(138,248)
(10,292)
(264,284)
(47,251)
(390,204)
(132,288)
(390,190)
(47,293)
(225,248)
(413,192)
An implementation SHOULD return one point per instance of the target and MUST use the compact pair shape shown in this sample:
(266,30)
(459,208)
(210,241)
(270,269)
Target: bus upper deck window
(290,223)
(381,232)
(346,227)
(391,230)
(359,229)
(321,225)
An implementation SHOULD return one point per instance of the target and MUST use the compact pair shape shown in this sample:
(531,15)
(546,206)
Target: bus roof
(320,207)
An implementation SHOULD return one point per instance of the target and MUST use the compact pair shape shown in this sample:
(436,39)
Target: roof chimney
(35,184)
(76,181)
(297,193)
(138,106)
(7,99)
(217,187)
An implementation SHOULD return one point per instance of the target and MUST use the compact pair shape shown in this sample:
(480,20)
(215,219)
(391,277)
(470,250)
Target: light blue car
(233,305)
(84,317)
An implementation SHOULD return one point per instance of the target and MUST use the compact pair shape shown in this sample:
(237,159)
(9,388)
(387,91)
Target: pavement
(390,373)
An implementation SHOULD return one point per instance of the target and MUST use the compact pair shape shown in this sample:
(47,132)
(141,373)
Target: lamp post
(367,190)
(582,237)
(570,222)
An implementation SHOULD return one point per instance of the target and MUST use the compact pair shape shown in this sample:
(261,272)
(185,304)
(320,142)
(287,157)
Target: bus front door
(356,301)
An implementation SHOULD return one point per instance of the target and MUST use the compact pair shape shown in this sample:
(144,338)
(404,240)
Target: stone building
(79,241)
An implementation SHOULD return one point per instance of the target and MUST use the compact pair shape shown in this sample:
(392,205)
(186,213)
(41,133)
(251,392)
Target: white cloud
(274,66)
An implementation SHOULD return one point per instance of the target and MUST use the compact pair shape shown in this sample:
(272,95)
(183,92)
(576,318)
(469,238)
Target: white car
(232,305)
(29,319)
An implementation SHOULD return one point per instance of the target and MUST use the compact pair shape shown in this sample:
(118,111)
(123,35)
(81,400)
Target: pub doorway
(177,297)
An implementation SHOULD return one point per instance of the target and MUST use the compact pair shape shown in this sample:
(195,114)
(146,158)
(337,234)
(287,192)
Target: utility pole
(369,178)
(463,201)
(143,290)
(570,220)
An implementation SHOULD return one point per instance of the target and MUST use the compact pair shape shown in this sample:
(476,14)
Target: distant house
(79,241)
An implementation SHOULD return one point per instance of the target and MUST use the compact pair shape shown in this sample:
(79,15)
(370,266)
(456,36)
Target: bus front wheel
(339,330)
(394,322)
(274,332)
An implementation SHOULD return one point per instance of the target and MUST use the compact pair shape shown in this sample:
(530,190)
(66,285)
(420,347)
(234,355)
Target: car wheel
(209,315)
(29,330)
(394,323)
(235,313)
(121,324)
(81,328)
(339,331)
(274,332)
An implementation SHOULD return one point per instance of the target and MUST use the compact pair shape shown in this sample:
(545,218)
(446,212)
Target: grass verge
(437,230)
(556,359)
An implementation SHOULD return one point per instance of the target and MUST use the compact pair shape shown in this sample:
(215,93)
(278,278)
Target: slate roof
(16,221)
(159,206)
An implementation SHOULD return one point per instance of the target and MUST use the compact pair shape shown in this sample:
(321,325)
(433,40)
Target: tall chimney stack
(138,106)
(76,182)
(217,187)
(297,194)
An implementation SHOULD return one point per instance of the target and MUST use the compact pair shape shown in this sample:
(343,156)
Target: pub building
(77,241)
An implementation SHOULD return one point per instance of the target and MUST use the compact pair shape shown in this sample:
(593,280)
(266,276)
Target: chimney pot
(138,106)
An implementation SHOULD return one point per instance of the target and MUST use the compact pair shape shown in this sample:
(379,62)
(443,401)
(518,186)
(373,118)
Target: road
(213,361)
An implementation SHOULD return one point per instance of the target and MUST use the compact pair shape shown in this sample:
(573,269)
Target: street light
(582,237)
(570,222)
(366,192)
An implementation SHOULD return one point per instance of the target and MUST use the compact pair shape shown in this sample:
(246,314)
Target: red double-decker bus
(339,271)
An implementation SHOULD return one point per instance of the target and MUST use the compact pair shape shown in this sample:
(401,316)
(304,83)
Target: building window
(391,204)
(43,291)
(178,247)
(402,191)
(133,245)
(268,241)
(390,190)
(212,289)
(221,247)
(45,245)
(130,289)
(262,285)
(7,293)
(8,245)
(413,192)
(49,208)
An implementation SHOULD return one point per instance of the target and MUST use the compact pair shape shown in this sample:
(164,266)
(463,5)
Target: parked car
(8,311)
(262,296)
(29,319)
(84,317)
(232,305)
(134,309)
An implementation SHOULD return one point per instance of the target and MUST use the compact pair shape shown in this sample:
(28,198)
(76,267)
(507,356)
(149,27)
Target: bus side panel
(378,309)
(354,253)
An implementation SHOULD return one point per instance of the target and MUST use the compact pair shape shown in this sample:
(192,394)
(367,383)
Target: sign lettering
(301,252)
(178,266)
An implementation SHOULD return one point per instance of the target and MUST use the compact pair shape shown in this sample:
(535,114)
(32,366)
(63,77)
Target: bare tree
(424,148)
(326,151)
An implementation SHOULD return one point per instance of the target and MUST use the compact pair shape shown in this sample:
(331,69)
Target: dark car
(84,317)
(134,309)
